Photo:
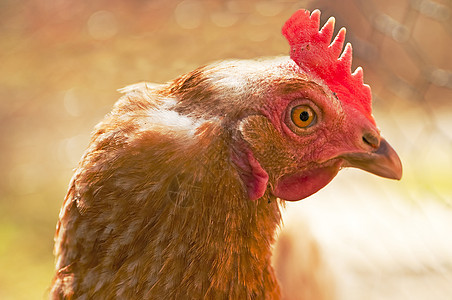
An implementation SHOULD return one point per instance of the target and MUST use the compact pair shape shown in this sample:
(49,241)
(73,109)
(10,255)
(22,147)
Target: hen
(178,195)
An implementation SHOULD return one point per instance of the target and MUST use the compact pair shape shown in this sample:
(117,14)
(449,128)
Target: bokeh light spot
(189,14)
(102,25)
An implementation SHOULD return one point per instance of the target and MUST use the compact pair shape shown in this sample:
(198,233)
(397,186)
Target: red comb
(314,52)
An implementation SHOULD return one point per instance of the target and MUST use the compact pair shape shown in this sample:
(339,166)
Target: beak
(383,162)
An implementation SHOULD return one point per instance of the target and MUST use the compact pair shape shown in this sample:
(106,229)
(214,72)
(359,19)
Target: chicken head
(315,120)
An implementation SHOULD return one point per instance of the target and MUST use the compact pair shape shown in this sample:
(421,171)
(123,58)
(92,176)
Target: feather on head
(313,51)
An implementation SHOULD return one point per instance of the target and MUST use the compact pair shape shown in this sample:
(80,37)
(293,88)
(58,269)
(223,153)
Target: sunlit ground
(60,66)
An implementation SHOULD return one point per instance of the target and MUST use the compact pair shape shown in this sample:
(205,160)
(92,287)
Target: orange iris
(303,116)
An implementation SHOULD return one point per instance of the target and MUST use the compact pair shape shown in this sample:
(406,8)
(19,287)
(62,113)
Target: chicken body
(178,195)
(156,208)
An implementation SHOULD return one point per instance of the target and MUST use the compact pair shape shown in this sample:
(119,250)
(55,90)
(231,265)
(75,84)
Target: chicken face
(316,120)
(305,136)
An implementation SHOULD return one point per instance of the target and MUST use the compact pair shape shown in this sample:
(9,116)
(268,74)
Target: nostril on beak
(371,139)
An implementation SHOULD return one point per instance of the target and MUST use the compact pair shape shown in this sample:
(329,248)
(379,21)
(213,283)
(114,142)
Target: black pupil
(304,116)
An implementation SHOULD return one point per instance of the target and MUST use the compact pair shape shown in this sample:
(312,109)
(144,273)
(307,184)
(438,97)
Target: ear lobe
(253,176)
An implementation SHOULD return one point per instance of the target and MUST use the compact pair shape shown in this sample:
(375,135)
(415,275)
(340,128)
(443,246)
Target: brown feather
(158,211)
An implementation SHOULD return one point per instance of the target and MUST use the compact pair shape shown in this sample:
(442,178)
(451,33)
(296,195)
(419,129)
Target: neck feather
(169,220)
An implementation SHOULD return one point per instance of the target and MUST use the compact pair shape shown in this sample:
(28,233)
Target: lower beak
(383,162)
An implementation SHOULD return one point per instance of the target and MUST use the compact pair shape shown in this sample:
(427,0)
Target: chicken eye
(303,116)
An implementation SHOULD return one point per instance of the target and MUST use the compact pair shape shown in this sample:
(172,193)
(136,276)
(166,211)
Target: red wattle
(301,185)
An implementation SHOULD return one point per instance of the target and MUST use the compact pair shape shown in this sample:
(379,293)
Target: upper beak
(383,162)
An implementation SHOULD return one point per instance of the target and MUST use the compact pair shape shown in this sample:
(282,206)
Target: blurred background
(61,62)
